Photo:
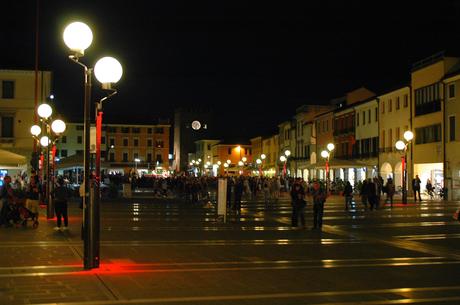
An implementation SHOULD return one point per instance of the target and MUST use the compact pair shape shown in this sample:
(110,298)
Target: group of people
(17,207)
(299,193)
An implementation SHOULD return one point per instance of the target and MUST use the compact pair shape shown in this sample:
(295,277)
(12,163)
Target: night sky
(246,60)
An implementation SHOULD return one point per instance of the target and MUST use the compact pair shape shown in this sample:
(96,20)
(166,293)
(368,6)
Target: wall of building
(21,108)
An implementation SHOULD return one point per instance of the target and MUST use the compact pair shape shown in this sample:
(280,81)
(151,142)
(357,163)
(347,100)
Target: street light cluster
(326,154)
(401,146)
(78,37)
(51,132)
(57,126)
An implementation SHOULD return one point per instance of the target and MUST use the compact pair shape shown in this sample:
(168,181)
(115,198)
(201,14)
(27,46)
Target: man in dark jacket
(298,204)
(348,194)
(61,196)
(416,182)
(319,198)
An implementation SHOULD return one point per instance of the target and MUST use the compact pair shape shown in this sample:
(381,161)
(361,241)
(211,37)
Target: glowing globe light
(35,130)
(400,145)
(44,141)
(44,111)
(330,146)
(263,156)
(287,153)
(244,159)
(283,159)
(325,154)
(258,161)
(225,164)
(108,70)
(408,135)
(228,161)
(78,37)
(58,126)
(240,163)
(219,163)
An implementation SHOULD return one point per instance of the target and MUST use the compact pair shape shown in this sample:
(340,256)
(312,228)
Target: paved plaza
(168,252)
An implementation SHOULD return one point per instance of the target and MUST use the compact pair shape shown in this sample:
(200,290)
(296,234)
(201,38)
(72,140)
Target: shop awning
(9,159)
(70,162)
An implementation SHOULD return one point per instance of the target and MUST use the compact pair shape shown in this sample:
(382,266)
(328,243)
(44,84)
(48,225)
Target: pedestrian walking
(298,205)
(416,187)
(266,189)
(372,195)
(60,197)
(429,188)
(390,189)
(364,193)
(319,198)
(348,194)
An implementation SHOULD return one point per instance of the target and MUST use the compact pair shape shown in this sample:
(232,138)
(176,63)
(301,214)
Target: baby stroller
(19,214)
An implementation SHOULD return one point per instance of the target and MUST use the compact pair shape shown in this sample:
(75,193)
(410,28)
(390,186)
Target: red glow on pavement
(400,204)
(115,268)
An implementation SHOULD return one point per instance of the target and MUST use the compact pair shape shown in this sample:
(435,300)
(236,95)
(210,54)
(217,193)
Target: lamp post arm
(112,93)
(75,60)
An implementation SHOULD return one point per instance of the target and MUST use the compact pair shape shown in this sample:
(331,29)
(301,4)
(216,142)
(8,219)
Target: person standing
(298,205)
(364,193)
(239,186)
(7,199)
(348,194)
(372,194)
(61,196)
(33,195)
(390,188)
(266,189)
(319,198)
(416,187)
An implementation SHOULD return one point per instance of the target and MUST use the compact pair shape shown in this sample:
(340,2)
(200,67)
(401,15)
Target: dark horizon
(253,64)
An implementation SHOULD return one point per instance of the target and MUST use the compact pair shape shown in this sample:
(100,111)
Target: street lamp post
(401,146)
(78,37)
(284,158)
(262,157)
(259,162)
(52,131)
(326,154)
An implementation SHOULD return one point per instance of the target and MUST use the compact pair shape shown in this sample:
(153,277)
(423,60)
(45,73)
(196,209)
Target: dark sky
(246,60)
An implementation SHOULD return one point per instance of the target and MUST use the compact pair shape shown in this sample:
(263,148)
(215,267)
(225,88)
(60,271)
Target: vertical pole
(404,182)
(327,176)
(49,204)
(91,255)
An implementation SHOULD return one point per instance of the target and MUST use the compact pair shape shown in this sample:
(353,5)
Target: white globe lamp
(108,71)
(58,126)
(78,37)
(44,111)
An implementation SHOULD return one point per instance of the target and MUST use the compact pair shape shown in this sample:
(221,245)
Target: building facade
(123,146)
(394,120)
(428,108)
(190,125)
(366,138)
(17,108)
(452,143)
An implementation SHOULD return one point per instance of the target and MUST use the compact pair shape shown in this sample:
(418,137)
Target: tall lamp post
(401,146)
(262,157)
(52,131)
(284,158)
(259,162)
(326,154)
(78,37)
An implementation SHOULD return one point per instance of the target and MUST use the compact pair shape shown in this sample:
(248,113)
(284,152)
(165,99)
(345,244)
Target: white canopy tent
(10,160)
